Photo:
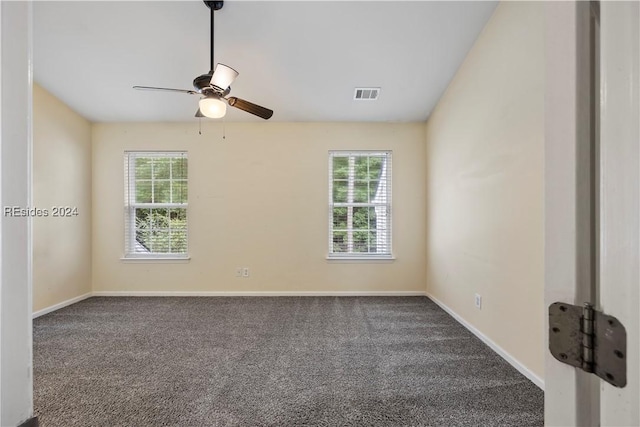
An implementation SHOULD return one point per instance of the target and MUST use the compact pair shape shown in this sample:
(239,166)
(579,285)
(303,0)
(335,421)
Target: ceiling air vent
(366,93)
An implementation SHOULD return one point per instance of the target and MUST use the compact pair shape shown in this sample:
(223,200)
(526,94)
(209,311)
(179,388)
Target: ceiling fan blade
(223,76)
(166,89)
(199,114)
(249,107)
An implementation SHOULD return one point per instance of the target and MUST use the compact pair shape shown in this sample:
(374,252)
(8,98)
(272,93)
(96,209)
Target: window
(156,205)
(359,204)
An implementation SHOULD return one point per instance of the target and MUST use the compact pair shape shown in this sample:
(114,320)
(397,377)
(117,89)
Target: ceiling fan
(215,86)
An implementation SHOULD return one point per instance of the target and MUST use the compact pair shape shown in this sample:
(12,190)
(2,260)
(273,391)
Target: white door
(592,195)
(620,196)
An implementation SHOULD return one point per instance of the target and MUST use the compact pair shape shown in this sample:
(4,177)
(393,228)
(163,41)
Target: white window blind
(360,204)
(156,190)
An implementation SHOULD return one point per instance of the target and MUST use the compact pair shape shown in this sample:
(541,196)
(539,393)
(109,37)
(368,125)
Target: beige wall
(258,199)
(485,186)
(61,177)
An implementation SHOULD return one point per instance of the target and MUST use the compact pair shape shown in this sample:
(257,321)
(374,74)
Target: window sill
(160,260)
(361,259)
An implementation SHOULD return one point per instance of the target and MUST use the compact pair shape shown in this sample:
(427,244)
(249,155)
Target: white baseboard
(495,347)
(256,294)
(60,305)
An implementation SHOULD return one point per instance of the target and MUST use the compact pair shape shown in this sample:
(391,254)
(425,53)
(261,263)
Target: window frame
(350,256)
(130,207)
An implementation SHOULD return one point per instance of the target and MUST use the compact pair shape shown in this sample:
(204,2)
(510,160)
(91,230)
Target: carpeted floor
(282,361)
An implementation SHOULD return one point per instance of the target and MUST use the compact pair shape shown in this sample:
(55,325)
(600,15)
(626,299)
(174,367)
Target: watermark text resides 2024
(54,211)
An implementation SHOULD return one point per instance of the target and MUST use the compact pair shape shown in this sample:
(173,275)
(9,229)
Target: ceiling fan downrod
(213,6)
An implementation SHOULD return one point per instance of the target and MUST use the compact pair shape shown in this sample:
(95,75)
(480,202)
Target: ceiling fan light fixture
(223,76)
(213,107)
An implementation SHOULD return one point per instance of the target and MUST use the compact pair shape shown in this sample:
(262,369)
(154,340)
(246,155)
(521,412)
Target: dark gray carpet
(317,361)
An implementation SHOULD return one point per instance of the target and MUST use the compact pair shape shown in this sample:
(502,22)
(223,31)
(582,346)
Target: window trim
(130,207)
(360,256)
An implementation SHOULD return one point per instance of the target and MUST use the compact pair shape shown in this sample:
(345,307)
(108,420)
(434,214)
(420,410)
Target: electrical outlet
(245,271)
(239,272)
(478,301)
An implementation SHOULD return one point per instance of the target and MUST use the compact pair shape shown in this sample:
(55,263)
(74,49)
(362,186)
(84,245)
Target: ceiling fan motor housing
(202,85)
(201,82)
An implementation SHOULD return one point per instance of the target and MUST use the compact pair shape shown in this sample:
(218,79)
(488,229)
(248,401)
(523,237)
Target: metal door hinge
(589,340)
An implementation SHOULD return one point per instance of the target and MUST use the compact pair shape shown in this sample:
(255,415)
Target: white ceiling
(302,59)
